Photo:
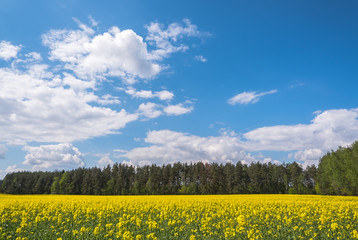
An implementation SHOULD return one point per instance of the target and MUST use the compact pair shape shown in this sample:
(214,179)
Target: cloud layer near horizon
(327,131)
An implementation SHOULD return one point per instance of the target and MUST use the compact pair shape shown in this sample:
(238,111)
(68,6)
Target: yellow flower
(334,226)
(96,231)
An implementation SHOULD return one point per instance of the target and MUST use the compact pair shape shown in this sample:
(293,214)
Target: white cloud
(178,109)
(94,23)
(149,110)
(309,154)
(128,163)
(152,110)
(67,45)
(3,151)
(248,97)
(44,104)
(77,84)
(8,51)
(39,71)
(50,157)
(116,53)
(170,147)
(201,58)
(30,60)
(108,99)
(10,169)
(162,95)
(14,168)
(120,150)
(166,39)
(33,109)
(34,56)
(61,102)
(327,131)
(105,161)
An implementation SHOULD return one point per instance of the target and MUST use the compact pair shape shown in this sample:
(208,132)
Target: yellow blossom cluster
(178,217)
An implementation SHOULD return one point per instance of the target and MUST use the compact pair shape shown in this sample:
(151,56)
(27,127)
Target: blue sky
(84,83)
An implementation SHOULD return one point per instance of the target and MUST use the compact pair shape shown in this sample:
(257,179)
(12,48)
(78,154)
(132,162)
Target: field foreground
(178,217)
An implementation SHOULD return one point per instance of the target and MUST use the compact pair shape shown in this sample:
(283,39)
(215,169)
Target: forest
(336,174)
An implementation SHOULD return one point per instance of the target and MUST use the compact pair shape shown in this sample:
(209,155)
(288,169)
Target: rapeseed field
(178,217)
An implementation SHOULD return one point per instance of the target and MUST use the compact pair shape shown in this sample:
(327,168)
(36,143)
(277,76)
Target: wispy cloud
(166,40)
(248,97)
(162,95)
(200,58)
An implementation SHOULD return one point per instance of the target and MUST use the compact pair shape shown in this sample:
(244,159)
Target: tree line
(179,178)
(337,173)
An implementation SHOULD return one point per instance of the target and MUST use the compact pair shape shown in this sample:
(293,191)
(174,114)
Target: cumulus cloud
(116,53)
(42,103)
(149,110)
(68,45)
(308,154)
(8,51)
(105,161)
(33,109)
(170,147)
(14,168)
(248,97)
(178,109)
(77,84)
(327,131)
(10,169)
(64,100)
(61,110)
(60,156)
